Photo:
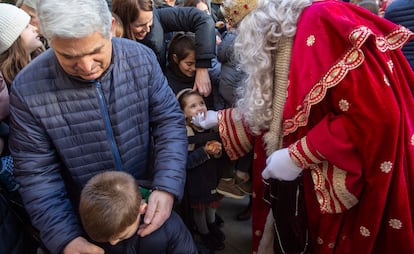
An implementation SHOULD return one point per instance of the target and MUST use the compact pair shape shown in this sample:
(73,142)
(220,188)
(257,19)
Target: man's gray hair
(73,19)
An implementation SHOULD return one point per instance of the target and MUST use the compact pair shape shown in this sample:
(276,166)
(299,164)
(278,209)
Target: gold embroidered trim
(332,198)
(224,133)
(351,60)
(307,151)
(341,191)
(235,141)
(300,159)
(296,156)
(242,135)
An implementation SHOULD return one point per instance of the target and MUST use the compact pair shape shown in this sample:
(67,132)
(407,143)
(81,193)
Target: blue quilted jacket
(65,130)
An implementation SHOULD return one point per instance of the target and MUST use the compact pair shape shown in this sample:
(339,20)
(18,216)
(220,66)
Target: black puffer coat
(65,130)
(187,19)
(173,237)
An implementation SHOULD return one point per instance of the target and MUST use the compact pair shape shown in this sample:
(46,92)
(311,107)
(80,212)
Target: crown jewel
(236,10)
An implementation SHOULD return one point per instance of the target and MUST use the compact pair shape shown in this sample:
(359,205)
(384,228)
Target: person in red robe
(327,107)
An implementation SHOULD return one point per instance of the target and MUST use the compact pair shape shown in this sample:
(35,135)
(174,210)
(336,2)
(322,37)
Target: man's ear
(112,26)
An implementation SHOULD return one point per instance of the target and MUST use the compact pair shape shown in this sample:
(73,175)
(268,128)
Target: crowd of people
(124,123)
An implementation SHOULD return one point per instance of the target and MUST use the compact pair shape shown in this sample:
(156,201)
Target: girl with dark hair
(181,68)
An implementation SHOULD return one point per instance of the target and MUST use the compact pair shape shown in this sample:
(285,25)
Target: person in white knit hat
(18,39)
(12,23)
(29,6)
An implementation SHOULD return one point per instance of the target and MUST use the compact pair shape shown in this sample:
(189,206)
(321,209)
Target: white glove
(280,166)
(206,122)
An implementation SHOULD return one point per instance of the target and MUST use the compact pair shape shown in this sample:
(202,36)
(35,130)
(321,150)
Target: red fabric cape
(351,95)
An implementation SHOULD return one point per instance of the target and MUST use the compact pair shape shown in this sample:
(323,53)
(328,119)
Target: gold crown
(236,10)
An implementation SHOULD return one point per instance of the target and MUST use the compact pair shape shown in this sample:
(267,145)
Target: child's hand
(213,147)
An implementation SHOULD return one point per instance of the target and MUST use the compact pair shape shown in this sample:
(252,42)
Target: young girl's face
(187,65)
(194,104)
(30,38)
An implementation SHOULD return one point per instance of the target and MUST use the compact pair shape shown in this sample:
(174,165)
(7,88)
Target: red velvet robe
(348,121)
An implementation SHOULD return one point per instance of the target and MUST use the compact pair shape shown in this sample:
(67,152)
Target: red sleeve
(236,138)
(328,140)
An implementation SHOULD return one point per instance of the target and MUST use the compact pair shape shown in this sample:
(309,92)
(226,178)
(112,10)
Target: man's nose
(84,64)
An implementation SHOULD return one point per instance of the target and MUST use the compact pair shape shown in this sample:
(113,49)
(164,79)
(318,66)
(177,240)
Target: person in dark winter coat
(402,12)
(87,105)
(204,165)
(231,74)
(149,25)
(107,217)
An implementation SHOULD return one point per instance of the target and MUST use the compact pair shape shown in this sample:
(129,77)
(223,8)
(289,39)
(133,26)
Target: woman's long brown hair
(128,12)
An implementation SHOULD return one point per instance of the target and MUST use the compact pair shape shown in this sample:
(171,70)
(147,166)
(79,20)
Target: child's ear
(142,208)
(175,58)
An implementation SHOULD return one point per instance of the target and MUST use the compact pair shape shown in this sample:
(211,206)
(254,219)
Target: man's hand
(280,166)
(80,245)
(202,82)
(160,204)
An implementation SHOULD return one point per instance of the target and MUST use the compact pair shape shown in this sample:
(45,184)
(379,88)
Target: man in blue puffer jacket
(87,105)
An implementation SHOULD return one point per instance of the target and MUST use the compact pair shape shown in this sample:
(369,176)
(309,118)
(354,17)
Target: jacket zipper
(108,126)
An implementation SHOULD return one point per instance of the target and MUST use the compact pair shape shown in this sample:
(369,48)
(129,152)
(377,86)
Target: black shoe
(219,221)
(216,232)
(211,242)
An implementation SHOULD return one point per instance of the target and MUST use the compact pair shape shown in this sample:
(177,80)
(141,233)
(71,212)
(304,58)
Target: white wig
(257,40)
